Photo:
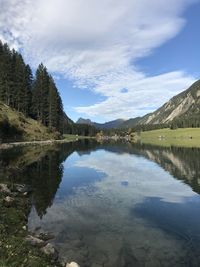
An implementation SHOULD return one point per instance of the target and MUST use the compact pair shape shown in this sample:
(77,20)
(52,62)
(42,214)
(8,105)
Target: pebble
(49,250)
(8,201)
(72,264)
(4,189)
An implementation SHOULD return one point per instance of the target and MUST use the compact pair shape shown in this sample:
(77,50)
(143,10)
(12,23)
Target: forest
(36,96)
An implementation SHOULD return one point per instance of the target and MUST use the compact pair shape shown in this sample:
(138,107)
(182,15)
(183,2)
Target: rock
(22,188)
(4,189)
(8,201)
(34,241)
(45,236)
(49,250)
(24,228)
(72,264)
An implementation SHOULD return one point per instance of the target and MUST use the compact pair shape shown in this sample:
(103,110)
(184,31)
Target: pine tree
(6,74)
(40,95)
(46,102)
(53,116)
(28,76)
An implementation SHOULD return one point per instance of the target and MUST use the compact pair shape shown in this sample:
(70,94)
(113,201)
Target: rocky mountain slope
(183,105)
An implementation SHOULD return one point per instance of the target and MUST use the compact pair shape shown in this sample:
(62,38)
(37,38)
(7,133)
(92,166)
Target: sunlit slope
(14,126)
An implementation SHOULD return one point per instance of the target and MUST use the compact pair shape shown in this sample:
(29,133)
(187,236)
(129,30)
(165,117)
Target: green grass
(14,250)
(29,129)
(186,137)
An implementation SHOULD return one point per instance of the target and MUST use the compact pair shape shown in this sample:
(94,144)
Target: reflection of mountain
(182,163)
(41,167)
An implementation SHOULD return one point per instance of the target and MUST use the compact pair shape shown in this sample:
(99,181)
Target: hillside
(130,123)
(185,105)
(14,126)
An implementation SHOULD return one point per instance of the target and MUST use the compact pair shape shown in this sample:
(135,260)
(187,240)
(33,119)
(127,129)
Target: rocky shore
(19,247)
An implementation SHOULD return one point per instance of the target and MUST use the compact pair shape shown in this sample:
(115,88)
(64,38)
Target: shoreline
(15,202)
(41,142)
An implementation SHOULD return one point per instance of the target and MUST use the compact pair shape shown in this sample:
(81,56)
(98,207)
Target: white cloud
(145,94)
(96,44)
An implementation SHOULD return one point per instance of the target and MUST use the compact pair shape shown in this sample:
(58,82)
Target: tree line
(35,96)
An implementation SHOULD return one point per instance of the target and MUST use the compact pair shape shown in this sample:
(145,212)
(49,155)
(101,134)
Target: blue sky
(110,58)
(180,52)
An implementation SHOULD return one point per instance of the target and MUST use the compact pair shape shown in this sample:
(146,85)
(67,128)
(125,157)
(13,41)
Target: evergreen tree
(28,94)
(54,105)
(46,102)
(6,74)
(40,94)
(15,80)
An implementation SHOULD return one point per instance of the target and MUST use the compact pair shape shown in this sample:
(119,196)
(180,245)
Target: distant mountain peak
(84,121)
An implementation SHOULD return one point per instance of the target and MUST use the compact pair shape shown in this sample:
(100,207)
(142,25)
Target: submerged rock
(24,227)
(4,189)
(8,201)
(45,236)
(49,250)
(34,241)
(72,264)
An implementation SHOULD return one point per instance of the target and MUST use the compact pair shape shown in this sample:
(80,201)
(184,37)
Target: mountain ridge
(107,125)
(183,106)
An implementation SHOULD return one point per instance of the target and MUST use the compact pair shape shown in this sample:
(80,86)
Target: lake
(113,204)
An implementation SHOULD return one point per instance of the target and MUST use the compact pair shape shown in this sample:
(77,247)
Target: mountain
(183,108)
(130,123)
(15,126)
(85,121)
(107,125)
(185,105)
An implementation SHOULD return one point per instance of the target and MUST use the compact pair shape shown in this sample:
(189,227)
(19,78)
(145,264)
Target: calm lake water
(113,204)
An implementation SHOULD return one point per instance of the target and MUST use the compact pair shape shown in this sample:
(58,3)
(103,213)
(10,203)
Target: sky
(111,58)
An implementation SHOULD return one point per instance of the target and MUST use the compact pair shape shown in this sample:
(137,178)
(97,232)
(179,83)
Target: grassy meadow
(186,137)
